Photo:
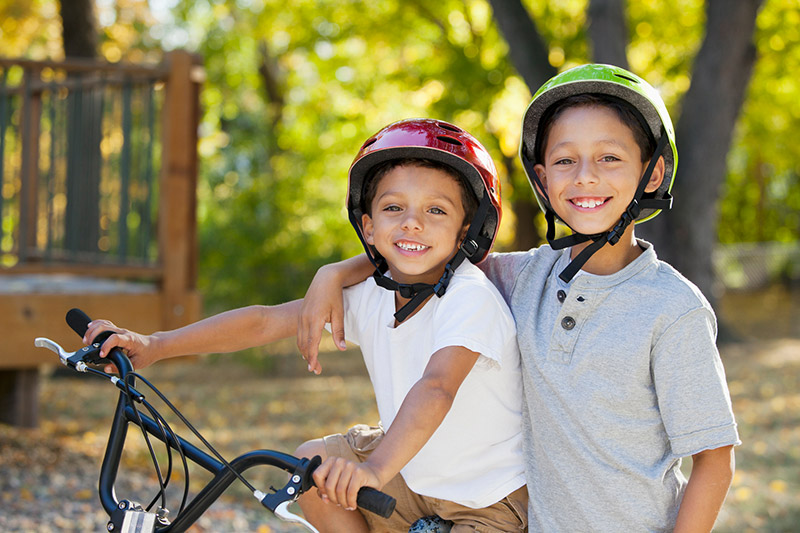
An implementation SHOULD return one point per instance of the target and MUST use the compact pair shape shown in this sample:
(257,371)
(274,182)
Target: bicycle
(128,516)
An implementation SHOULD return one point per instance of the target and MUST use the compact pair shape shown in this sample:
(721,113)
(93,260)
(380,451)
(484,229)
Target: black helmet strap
(613,235)
(418,292)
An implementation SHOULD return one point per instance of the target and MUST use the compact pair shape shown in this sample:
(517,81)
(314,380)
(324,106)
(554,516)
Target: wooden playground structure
(98,175)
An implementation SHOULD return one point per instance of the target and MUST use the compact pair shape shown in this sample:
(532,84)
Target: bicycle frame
(120,511)
(223,477)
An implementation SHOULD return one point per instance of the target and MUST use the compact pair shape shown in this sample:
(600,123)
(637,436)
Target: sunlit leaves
(763,189)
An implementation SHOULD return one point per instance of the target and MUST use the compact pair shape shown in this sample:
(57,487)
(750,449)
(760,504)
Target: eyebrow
(612,142)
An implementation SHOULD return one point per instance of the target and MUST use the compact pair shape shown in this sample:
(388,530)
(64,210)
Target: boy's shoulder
(470,280)
(668,278)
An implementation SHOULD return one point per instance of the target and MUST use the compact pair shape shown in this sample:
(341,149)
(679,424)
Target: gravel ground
(48,487)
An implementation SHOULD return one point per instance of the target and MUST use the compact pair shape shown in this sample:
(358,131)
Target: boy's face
(592,167)
(417,222)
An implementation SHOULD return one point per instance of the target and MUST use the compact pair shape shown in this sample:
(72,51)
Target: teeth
(411,247)
(589,203)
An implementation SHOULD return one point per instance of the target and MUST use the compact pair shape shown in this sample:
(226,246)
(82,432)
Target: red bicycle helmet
(445,143)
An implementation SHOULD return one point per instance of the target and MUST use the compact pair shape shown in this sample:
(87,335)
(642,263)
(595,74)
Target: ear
(463,233)
(657,176)
(367,229)
(539,169)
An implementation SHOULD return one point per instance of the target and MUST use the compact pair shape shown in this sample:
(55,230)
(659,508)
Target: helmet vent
(449,140)
(449,127)
(369,142)
(626,78)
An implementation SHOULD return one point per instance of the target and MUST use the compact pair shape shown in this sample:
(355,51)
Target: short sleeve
(690,383)
(503,269)
(476,317)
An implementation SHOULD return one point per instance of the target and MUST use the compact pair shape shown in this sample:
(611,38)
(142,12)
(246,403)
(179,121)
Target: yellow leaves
(742,494)
(778,485)
(84,494)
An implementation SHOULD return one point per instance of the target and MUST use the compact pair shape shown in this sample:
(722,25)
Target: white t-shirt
(475,457)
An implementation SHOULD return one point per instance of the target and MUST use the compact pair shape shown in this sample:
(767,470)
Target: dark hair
(468,199)
(626,113)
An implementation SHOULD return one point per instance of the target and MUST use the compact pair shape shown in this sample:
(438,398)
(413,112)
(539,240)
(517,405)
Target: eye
(391,207)
(437,211)
(563,161)
(610,158)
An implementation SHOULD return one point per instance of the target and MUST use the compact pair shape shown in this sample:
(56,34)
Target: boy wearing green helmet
(621,371)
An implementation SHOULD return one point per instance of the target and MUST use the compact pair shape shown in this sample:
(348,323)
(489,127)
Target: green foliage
(275,168)
(274,157)
(762,200)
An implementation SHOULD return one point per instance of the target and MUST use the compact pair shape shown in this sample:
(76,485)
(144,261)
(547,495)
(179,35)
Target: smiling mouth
(589,203)
(411,247)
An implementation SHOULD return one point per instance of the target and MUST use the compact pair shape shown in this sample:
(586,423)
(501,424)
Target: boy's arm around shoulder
(712,473)
(323,304)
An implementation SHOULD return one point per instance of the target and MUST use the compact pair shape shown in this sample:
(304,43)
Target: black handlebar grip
(78,321)
(376,501)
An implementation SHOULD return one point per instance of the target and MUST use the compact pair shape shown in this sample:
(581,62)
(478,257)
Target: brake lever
(67,358)
(78,359)
(87,353)
(282,511)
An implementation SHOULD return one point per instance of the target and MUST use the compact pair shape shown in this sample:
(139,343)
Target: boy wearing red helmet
(424,198)
(621,373)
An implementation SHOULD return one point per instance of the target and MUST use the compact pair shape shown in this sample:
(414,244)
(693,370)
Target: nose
(412,221)
(585,173)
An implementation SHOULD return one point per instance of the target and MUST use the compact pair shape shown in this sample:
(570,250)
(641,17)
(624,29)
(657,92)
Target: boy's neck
(610,259)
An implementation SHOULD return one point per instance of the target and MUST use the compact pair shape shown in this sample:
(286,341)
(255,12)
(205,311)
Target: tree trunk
(79,29)
(608,32)
(84,121)
(529,55)
(686,236)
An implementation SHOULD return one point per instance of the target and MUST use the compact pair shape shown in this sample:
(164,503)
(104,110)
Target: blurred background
(201,147)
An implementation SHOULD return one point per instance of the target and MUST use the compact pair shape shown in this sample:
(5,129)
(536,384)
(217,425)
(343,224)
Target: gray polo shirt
(622,378)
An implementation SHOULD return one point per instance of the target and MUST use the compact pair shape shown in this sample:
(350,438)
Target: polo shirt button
(567,322)
(561,295)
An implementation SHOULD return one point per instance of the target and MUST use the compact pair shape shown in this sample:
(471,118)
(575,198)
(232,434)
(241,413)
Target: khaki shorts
(506,516)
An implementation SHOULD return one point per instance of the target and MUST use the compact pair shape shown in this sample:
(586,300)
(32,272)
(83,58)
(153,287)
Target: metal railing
(80,157)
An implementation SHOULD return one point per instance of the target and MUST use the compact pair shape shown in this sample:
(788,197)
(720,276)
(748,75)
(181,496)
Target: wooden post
(19,397)
(178,194)
(31,124)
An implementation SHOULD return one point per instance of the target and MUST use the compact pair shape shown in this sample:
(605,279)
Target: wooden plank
(115,271)
(86,65)
(27,316)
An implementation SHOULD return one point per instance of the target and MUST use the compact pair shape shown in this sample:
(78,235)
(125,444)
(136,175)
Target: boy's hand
(322,304)
(140,348)
(338,481)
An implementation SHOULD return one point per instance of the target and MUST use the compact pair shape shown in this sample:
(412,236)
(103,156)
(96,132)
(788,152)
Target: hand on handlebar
(338,481)
(141,349)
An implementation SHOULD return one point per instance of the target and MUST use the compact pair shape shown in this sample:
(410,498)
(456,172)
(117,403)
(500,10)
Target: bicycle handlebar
(301,470)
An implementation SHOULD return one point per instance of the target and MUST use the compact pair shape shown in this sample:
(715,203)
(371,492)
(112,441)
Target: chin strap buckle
(627,218)
(444,281)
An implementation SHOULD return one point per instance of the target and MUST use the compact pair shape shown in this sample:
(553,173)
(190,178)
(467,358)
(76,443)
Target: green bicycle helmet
(617,84)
